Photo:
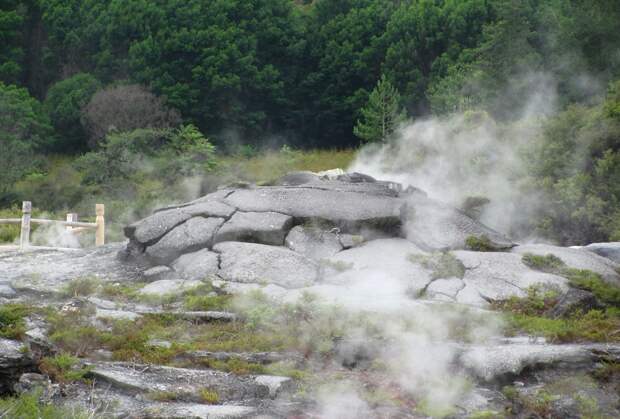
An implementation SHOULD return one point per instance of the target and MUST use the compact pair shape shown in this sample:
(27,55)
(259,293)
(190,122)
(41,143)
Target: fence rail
(72,224)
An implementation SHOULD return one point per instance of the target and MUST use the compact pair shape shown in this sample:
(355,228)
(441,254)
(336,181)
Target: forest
(126,100)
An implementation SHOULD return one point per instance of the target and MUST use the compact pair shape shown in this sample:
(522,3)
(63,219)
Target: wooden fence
(72,224)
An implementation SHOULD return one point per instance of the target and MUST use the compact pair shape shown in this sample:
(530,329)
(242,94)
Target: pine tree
(382,114)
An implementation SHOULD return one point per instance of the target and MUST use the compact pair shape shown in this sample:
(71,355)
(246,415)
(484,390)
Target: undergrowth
(12,320)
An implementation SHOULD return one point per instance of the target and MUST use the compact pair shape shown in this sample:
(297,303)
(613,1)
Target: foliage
(81,287)
(604,292)
(64,103)
(479,244)
(209,396)
(12,323)
(63,368)
(536,303)
(381,115)
(24,129)
(548,263)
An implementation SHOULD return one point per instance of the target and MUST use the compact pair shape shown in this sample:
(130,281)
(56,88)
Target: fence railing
(72,224)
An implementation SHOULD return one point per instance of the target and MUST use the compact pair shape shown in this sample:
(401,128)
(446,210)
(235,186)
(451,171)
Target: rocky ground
(335,297)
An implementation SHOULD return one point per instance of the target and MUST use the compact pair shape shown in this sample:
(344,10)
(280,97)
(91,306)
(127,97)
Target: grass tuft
(12,323)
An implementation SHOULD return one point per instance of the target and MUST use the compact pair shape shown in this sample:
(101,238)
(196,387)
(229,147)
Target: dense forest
(106,81)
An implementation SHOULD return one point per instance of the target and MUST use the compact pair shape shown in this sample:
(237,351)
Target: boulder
(297,178)
(444,289)
(436,226)
(384,262)
(185,383)
(150,229)
(255,227)
(489,362)
(349,210)
(574,300)
(198,265)
(576,258)
(259,263)
(499,276)
(157,273)
(166,287)
(608,250)
(190,236)
(13,362)
(313,242)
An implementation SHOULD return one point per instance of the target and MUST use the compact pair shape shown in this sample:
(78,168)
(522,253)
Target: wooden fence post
(24,237)
(100,221)
(71,217)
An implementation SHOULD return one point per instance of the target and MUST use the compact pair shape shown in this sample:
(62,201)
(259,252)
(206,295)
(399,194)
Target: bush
(125,108)
(63,368)
(593,282)
(479,244)
(12,323)
(441,265)
(548,263)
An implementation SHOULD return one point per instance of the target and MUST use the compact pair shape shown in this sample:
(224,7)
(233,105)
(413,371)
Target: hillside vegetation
(138,102)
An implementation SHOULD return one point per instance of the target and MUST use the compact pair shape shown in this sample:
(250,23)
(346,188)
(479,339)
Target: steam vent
(316,297)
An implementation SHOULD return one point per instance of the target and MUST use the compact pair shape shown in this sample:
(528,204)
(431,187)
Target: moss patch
(479,244)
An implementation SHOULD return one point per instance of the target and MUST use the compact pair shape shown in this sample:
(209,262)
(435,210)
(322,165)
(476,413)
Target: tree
(126,108)
(64,103)
(24,129)
(382,114)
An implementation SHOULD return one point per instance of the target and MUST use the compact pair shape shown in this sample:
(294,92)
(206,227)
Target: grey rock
(197,411)
(355,177)
(275,384)
(490,362)
(157,273)
(6,291)
(259,263)
(209,209)
(183,382)
(150,229)
(350,240)
(576,258)
(255,227)
(188,237)
(444,289)
(349,210)
(572,301)
(297,178)
(608,250)
(385,260)
(499,276)
(167,287)
(101,303)
(198,265)
(36,384)
(13,362)
(158,343)
(437,226)
(47,270)
(116,314)
(313,242)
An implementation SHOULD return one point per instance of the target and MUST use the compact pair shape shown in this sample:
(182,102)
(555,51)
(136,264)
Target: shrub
(548,263)
(479,244)
(209,396)
(63,368)
(593,282)
(81,287)
(12,324)
(125,108)
(537,302)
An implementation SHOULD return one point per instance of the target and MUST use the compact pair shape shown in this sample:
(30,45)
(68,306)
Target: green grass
(81,287)
(209,396)
(591,281)
(536,303)
(547,263)
(441,265)
(593,326)
(28,406)
(12,320)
